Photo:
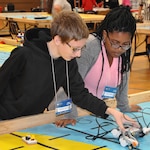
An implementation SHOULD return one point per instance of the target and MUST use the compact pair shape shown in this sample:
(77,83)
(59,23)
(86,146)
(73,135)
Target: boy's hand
(135,108)
(64,122)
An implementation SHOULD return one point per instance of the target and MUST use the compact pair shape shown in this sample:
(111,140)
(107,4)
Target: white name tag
(109,92)
(63,107)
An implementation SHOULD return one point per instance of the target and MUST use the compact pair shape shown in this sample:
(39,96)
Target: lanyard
(54,79)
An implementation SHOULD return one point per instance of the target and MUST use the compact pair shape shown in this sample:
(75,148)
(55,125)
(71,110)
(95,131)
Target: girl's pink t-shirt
(110,76)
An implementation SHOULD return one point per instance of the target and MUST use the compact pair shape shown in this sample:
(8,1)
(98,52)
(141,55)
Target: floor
(140,75)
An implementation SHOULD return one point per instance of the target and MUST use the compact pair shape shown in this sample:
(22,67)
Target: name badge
(63,107)
(109,92)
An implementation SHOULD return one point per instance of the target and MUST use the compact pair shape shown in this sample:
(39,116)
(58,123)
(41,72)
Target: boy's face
(71,49)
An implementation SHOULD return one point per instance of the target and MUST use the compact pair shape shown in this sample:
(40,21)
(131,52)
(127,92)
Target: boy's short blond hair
(69,26)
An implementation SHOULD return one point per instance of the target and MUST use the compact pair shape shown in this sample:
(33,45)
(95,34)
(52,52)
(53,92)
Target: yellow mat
(15,142)
(6,47)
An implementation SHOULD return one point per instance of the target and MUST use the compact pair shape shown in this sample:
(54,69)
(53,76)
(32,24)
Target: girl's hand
(122,118)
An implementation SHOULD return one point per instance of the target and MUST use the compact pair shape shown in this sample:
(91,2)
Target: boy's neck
(52,48)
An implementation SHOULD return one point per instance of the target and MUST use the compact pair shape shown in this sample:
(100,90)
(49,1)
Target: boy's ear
(57,40)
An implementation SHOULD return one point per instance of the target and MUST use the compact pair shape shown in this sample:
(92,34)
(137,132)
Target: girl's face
(116,43)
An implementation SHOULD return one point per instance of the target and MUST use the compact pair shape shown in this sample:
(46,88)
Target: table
(142,28)
(101,11)
(43,18)
(96,10)
(71,137)
(80,136)
(27,18)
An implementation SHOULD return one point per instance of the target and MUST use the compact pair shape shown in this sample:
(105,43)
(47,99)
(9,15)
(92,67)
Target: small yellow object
(29,139)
